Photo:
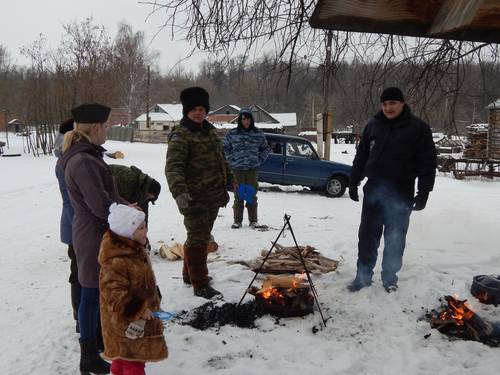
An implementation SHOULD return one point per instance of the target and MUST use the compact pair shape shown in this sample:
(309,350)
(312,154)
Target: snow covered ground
(370,332)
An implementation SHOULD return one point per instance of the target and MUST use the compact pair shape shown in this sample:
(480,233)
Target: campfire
(457,319)
(284,296)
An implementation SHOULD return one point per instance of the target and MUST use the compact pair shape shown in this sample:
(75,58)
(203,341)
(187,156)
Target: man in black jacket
(395,149)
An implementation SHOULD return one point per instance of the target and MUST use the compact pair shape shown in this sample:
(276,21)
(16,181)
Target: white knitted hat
(124,220)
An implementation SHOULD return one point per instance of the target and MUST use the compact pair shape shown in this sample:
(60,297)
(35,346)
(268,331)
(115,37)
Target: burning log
(459,320)
(283,296)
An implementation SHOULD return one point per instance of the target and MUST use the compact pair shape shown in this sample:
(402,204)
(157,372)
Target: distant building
(224,114)
(161,117)
(119,116)
(268,122)
(16,126)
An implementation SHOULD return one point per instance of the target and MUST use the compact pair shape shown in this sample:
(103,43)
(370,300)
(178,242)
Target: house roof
(156,116)
(221,110)
(173,110)
(476,20)
(286,119)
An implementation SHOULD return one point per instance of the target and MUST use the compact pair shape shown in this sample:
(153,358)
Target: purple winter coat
(67,209)
(91,189)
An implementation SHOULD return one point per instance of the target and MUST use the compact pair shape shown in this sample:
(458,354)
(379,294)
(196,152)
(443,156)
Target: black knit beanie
(193,97)
(392,93)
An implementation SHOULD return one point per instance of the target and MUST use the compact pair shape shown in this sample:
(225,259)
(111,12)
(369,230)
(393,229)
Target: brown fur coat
(127,287)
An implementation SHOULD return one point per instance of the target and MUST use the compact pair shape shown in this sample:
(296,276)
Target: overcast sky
(23,20)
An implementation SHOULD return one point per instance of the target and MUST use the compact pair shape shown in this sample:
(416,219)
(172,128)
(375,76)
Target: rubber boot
(196,259)
(252,215)
(75,302)
(90,360)
(238,216)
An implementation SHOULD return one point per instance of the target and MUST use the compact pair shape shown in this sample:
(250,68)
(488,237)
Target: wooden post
(147,99)
(326,88)
(319,134)
(328,135)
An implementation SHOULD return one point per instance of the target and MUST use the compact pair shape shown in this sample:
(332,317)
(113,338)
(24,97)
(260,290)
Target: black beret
(90,113)
(392,93)
(193,97)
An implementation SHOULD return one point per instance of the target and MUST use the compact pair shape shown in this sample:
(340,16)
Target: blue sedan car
(294,161)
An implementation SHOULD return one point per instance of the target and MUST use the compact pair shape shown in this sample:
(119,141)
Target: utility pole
(327,116)
(147,99)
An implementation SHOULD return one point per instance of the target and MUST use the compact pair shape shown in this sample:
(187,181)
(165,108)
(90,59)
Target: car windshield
(300,149)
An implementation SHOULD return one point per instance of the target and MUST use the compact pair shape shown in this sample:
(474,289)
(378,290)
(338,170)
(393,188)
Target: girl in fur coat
(128,295)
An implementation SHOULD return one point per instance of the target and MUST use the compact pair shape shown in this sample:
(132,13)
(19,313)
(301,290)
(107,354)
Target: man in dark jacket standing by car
(198,176)
(395,149)
(246,149)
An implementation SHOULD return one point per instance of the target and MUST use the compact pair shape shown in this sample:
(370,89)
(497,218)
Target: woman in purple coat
(91,190)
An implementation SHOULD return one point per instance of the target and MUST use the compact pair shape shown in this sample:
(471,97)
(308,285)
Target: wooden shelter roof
(468,20)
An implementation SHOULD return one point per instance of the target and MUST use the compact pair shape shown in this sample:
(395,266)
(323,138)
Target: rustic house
(119,117)
(224,114)
(268,122)
(161,117)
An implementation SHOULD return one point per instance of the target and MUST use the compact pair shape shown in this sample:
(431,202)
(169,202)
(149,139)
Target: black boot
(206,292)
(90,360)
(75,302)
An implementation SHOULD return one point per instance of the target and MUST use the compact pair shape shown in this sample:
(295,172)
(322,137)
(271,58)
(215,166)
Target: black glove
(420,201)
(353,193)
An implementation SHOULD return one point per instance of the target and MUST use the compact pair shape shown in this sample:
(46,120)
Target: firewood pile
(287,260)
(477,144)
(176,251)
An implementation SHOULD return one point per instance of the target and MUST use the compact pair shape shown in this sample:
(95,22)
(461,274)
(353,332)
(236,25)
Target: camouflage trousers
(248,177)
(199,224)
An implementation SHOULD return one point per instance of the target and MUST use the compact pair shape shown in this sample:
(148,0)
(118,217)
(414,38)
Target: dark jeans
(385,210)
(88,313)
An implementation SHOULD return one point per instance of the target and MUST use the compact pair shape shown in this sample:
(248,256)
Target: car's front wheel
(335,187)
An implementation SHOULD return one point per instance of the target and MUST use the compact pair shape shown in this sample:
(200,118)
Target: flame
(458,310)
(273,295)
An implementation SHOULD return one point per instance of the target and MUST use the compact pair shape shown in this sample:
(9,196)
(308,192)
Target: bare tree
(130,61)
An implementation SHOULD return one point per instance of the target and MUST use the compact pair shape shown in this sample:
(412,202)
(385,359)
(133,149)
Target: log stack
(287,260)
(477,142)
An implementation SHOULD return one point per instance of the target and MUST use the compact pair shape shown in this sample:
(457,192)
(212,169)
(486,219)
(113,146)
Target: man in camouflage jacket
(198,176)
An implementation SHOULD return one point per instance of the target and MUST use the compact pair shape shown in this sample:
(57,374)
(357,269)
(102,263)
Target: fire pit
(284,296)
(457,319)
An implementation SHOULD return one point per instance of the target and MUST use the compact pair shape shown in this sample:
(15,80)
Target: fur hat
(90,113)
(124,220)
(154,188)
(392,93)
(193,97)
